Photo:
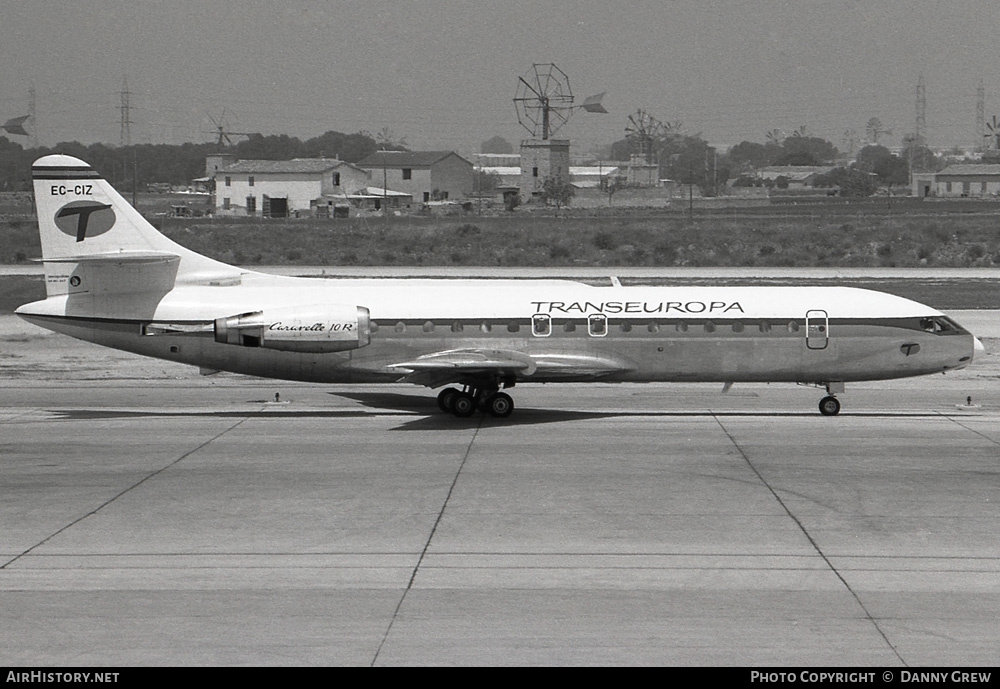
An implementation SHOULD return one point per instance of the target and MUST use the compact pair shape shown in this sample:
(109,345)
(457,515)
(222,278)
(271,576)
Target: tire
(829,406)
(446,400)
(463,404)
(500,405)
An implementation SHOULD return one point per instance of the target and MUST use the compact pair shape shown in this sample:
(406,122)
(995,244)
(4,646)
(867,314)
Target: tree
(852,181)
(887,167)
(270,147)
(349,147)
(386,140)
(613,186)
(485,183)
(497,144)
(557,191)
(749,155)
(806,150)
(870,156)
(918,156)
(620,150)
(690,160)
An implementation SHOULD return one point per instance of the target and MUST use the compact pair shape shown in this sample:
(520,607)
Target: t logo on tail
(81,218)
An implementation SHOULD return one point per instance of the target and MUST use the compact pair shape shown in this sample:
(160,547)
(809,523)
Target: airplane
(113,279)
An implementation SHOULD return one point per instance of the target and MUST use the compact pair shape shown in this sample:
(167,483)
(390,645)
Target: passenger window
(457,327)
(597,324)
(709,327)
(428,326)
(400,327)
(682,327)
(793,326)
(513,327)
(737,327)
(569,326)
(626,327)
(765,327)
(653,327)
(373,326)
(541,325)
(485,327)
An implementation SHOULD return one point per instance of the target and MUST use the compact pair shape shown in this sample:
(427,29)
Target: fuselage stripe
(499,326)
(49,174)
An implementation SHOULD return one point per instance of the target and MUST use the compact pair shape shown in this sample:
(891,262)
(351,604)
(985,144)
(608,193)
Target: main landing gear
(463,403)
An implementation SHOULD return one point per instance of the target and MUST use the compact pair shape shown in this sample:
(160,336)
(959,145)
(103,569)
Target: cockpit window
(941,325)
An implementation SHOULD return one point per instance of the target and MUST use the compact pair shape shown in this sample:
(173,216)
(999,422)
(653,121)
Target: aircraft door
(817,329)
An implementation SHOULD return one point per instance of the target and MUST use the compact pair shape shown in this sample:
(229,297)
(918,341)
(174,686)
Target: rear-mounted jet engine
(320,328)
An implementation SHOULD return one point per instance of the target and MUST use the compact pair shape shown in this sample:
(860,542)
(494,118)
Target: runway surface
(153,517)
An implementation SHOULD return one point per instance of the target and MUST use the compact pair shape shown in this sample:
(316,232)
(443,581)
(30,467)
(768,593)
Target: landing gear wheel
(500,405)
(829,406)
(463,404)
(446,399)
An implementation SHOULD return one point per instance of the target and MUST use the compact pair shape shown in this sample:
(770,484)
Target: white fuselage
(812,334)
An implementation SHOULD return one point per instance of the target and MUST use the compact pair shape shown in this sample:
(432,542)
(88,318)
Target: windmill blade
(530,88)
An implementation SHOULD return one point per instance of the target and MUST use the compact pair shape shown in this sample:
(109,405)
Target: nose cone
(978,348)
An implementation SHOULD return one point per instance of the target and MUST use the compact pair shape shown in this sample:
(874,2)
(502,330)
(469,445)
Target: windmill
(643,131)
(544,100)
(672,129)
(994,129)
(774,136)
(222,133)
(874,129)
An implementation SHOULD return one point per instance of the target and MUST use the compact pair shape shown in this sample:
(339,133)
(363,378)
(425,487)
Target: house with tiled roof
(281,188)
(961,180)
(797,176)
(425,175)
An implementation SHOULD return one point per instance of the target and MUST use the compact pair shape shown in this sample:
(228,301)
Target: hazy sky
(442,73)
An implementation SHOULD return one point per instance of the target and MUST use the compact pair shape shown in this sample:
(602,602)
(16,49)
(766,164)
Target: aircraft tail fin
(87,227)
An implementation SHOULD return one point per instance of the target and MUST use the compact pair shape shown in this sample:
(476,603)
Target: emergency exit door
(817,329)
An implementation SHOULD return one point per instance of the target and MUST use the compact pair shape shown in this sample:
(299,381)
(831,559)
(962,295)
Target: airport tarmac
(151,516)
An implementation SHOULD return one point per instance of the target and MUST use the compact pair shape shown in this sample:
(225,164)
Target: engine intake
(316,329)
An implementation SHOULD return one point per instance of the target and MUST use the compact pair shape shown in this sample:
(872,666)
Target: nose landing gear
(829,406)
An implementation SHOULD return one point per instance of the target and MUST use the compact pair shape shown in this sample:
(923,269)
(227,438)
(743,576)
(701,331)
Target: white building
(424,175)
(280,188)
(964,180)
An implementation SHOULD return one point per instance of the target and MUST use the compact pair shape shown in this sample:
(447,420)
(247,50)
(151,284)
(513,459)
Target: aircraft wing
(456,365)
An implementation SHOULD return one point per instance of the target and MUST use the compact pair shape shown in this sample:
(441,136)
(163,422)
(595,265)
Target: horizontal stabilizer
(116,257)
